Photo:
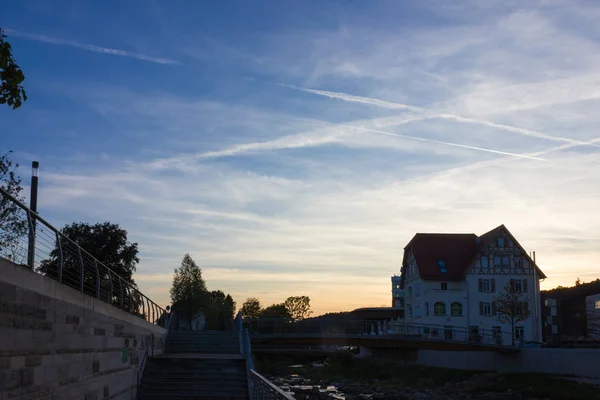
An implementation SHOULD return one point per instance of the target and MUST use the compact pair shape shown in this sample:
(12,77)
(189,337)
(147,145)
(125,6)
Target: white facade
(592,304)
(469,302)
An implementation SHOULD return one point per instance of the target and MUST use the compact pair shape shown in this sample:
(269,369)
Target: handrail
(263,388)
(51,239)
(247,352)
(238,327)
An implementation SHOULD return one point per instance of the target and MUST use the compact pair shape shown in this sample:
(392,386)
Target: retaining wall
(577,362)
(57,343)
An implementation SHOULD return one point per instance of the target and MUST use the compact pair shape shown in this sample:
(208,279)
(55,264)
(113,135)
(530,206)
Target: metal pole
(81,269)
(33,206)
(97,279)
(110,297)
(60,257)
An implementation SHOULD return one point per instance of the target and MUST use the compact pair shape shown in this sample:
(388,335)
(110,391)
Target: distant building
(592,304)
(450,281)
(551,319)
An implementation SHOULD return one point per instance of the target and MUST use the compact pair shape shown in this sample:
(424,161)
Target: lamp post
(33,206)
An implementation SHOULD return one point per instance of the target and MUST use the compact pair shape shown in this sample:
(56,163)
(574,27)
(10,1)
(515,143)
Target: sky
(294,148)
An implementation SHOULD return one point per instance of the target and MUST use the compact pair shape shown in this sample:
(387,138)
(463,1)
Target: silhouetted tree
(13,221)
(188,292)
(512,307)
(298,307)
(251,308)
(276,311)
(11,76)
(108,243)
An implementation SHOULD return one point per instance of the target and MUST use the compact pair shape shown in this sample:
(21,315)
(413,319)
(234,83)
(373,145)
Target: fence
(27,239)
(471,335)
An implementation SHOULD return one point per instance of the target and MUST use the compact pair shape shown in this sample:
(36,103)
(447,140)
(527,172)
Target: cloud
(425,114)
(91,47)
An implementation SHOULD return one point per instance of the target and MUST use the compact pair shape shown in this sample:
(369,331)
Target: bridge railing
(432,332)
(29,240)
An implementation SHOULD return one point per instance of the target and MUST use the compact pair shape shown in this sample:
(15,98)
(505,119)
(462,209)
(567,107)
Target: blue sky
(295,147)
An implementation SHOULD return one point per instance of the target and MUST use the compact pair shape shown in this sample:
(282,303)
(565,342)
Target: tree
(512,307)
(13,222)
(107,243)
(11,76)
(298,307)
(219,311)
(251,308)
(188,291)
(276,311)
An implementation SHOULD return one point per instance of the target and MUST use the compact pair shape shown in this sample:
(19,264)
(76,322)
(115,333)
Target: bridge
(276,333)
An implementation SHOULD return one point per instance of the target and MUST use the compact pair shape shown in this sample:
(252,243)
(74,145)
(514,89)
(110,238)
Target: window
(500,242)
(519,332)
(485,308)
(426,309)
(518,262)
(442,266)
(497,332)
(456,309)
(439,308)
(487,285)
(497,262)
(444,285)
(505,262)
(519,285)
(410,311)
(597,305)
(485,262)
(448,332)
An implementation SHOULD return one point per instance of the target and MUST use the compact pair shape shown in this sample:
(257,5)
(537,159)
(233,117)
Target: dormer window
(442,266)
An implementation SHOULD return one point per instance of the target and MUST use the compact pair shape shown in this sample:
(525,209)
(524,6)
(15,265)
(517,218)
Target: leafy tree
(512,307)
(251,308)
(276,311)
(11,76)
(220,310)
(13,222)
(298,307)
(107,242)
(188,292)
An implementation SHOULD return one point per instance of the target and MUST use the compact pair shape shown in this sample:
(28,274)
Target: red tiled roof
(456,250)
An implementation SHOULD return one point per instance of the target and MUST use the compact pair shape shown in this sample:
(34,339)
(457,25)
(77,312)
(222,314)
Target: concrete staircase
(196,365)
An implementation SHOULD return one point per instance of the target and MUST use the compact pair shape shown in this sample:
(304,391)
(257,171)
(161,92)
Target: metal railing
(29,240)
(264,389)
(432,332)
(259,387)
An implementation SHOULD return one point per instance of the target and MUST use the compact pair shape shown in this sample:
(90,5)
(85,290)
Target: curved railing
(29,240)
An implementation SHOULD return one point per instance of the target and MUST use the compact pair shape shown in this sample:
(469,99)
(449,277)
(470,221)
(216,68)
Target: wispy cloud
(426,114)
(91,47)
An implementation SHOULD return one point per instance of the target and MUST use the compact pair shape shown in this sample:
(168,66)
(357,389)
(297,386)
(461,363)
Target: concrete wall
(57,343)
(578,362)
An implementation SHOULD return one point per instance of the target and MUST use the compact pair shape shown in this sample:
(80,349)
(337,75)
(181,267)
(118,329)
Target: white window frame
(486,286)
(435,310)
(597,305)
(519,332)
(518,285)
(452,309)
(487,309)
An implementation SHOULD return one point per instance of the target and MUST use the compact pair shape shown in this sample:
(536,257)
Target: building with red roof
(451,280)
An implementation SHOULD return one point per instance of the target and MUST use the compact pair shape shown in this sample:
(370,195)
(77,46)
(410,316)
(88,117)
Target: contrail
(426,114)
(91,47)
(380,132)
